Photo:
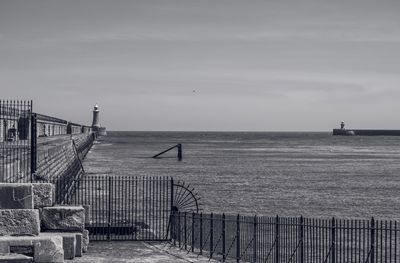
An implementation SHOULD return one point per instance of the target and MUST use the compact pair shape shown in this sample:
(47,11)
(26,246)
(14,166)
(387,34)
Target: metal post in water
(179,145)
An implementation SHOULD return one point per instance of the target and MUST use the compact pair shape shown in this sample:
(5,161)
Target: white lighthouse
(96,122)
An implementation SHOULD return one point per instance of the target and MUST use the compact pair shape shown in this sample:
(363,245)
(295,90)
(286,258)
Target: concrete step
(72,243)
(15,258)
(44,248)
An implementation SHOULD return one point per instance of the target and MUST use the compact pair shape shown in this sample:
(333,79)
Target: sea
(313,174)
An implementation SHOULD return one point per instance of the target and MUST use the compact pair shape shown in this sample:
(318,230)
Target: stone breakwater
(58,157)
(61,160)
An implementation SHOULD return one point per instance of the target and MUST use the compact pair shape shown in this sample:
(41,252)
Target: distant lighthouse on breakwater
(96,122)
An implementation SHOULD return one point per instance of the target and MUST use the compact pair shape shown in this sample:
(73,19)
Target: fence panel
(15,141)
(122,207)
(277,240)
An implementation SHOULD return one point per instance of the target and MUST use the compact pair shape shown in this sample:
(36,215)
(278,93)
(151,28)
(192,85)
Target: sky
(205,65)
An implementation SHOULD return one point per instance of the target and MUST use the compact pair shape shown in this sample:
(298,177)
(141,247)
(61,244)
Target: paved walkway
(140,252)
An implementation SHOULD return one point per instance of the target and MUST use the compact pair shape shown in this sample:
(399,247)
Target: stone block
(69,242)
(79,244)
(49,250)
(19,222)
(43,194)
(63,218)
(16,196)
(46,249)
(85,240)
(87,215)
(15,258)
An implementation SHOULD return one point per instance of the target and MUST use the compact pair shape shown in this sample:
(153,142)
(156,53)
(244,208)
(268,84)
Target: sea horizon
(312,174)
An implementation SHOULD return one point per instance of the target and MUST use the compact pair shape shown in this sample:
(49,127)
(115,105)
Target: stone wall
(32,229)
(62,165)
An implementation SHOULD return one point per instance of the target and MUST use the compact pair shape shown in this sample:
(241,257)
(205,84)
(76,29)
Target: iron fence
(280,239)
(16,143)
(22,158)
(121,207)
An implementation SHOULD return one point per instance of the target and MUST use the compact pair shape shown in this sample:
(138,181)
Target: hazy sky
(205,65)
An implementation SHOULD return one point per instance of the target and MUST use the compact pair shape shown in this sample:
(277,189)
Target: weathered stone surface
(87,215)
(43,194)
(16,196)
(79,245)
(63,218)
(69,242)
(46,249)
(49,250)
(19,222)
(85,240)
(15,258)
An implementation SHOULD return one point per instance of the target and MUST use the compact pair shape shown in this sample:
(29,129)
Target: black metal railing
(121,207)
(281,239)
(16,141)
(21,155)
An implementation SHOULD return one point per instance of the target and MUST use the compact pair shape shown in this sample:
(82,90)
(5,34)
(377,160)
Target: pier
(363,132)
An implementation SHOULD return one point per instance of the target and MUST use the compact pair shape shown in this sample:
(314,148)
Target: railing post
(185,230)
(223,239)
(255,239)
(193,233)
(333,244)
(173,227)
(277,239)
(172,208)
(372,255)
(211,235)
(179,229)
(33,145)
(301,239)
(201,234)
(110,193)
(238,238)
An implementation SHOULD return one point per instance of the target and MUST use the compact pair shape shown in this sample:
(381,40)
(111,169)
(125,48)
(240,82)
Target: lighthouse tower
(101,131)
(96,123)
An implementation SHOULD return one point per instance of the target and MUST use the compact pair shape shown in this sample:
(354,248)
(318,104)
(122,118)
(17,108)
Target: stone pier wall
(63,161)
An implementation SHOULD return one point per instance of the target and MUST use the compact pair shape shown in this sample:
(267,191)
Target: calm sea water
(290,174)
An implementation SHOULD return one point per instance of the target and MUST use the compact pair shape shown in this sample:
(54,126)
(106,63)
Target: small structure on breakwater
(363,132)
(101,131)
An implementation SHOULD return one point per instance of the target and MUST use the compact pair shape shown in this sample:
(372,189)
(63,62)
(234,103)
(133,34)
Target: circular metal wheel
(185,198)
